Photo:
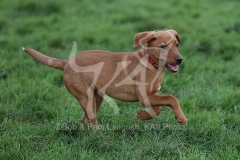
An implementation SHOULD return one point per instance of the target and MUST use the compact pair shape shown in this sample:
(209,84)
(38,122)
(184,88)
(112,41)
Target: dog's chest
(124,93)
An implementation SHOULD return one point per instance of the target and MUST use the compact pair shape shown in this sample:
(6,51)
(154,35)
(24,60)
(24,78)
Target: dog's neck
(150,60)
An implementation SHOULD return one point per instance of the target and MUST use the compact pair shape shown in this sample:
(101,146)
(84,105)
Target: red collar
(150,60)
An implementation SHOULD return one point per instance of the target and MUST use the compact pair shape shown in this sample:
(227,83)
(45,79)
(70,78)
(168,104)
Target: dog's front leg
(149,114)
(155,100)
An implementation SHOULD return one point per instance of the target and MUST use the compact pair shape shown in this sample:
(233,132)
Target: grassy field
(39,119)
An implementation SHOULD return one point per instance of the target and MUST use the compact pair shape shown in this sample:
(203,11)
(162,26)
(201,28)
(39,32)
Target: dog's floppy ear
(175,34)
(142,38)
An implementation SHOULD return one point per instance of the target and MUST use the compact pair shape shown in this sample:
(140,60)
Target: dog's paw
(143,115)
(85,119)
(182,120)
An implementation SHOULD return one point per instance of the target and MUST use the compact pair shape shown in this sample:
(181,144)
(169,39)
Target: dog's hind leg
(88,104)
(86,98)
(99,100)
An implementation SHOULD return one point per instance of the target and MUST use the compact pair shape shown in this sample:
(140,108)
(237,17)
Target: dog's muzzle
(179,60)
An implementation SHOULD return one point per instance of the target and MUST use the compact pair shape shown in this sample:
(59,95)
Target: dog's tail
(46,60)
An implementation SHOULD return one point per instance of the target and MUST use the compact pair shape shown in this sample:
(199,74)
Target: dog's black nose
(179,59)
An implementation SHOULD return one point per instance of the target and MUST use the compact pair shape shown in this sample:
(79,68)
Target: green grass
(41,120)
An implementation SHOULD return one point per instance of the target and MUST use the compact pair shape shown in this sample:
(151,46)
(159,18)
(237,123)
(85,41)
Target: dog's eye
(163,46)
(177,44)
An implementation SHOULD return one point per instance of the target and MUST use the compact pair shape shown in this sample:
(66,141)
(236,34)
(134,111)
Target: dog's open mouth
(172,68)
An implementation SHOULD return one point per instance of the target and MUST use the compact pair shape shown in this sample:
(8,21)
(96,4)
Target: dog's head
(162,47)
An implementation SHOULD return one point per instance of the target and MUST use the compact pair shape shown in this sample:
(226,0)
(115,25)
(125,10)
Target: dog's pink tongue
(174,68)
